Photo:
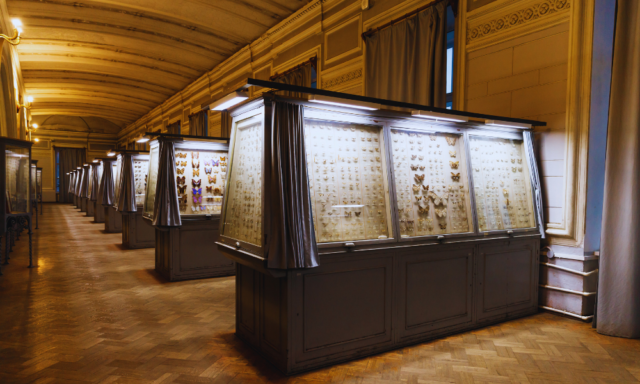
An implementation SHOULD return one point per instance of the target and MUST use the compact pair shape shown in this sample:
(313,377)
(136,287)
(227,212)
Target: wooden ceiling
(118,59)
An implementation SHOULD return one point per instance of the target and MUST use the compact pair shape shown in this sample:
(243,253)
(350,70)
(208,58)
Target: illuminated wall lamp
(229,101)
(15,39)
(27,104)
(344,102)
(439,116)
(506,124)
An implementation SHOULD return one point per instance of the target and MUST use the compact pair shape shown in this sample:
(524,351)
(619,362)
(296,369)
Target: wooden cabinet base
(91,206)
(190,252)
(76,203)
(83,204)
(136,232)
(362,303)
(112,220)
(98,213)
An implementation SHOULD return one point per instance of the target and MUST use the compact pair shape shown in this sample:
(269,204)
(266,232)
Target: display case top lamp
(381,176)
(198,171)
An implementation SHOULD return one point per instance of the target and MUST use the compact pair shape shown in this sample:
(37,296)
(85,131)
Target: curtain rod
(313,61)
(373,31)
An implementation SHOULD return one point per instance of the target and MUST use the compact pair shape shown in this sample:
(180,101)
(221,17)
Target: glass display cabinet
(34,190)
(130,193)
(184,199)
(70,191)
(84,187)
(94,185)
(39,187)
(105,213)
(113,218)
(360,231)
(15,163)
(76,188)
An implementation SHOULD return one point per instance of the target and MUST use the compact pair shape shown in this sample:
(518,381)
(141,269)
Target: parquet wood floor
(92,312)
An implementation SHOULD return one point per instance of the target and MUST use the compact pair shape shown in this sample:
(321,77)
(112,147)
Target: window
(314,77)
(450,40)
(57,172)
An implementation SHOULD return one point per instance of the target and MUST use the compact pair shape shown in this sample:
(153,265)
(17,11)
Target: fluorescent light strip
(343,102)
(439,116)
(229,101)
(142,140)
(506,124)
(347,206)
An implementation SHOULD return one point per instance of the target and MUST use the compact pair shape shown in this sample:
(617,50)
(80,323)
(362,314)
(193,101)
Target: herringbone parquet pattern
(95,313)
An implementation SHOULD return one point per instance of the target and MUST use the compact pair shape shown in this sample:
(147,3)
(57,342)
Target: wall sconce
(27,104)
(32,129)
(15,40)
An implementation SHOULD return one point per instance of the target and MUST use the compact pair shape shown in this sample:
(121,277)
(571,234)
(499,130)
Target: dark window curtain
(166,209)
(70,160)
(291,239)
(300,76)
(174,128)
(408,61)
(198,124)
(225,124)
(618,312)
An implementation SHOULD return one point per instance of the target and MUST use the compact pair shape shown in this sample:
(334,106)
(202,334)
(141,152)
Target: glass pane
(154,154)
(243,216)
(431,183)
(348,181)
(34,183)
(89,173)
(39,183)
(201,175)
(502,184)
(140,170)
(17,179)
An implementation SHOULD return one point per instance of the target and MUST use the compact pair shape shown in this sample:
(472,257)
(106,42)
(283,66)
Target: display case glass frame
(16,179)
(34,181)
(140,175)
(458,168)
(118,172)
(39,183)
(200,179)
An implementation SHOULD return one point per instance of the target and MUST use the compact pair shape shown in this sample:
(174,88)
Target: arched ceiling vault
(118,59)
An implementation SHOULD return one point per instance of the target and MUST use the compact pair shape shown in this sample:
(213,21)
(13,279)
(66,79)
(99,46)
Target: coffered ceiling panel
(117,59)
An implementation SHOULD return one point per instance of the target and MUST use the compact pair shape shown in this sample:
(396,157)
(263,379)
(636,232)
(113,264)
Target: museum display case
(106,196)
(94,185)
(84,187)
(15,163)
(39,187)
(71,190)
(33,193)
(76,188)
(425,223)
(183,201)
(130,192)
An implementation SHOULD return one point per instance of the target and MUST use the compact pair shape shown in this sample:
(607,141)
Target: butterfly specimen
(182,200)
(207,163)
(180,171)
(196,191)
(514,169)
(451,140)
(416,188)
(195,164)
(419,178)
(519,161)
(194,183)
(223,159)
(215,163)
(413,157)
(223,163)
(177,163)
(414,167)
(195,155)
(418,198)
(182,189)
(357,214)
(452,153)
(455,176)
(454,164)
(432,137)
(181,180)
(196,172)
(423,210)
(202,207)
(217,191)
(519,169)
(443,226)
(181,155)
(208,170)
(513,161)
(441,212)
(209,189)
(212,179)
(422,167)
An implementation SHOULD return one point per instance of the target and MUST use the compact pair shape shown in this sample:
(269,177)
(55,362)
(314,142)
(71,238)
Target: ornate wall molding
(352,75)
(517,18)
